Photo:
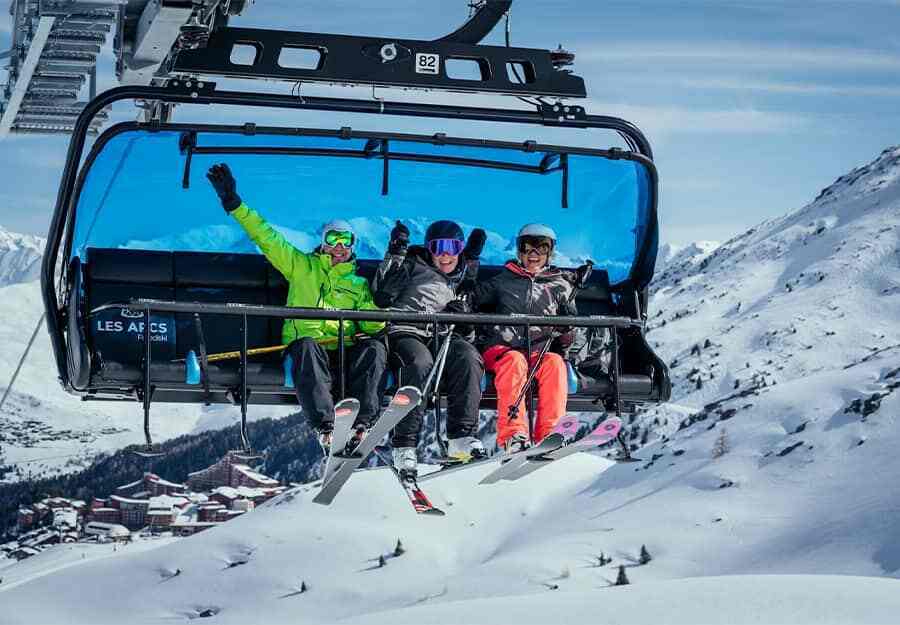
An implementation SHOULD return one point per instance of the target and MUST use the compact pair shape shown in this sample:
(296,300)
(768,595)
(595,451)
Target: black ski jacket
(515,291)
(412,283)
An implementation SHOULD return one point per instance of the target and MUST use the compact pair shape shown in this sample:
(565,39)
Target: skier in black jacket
(426,279)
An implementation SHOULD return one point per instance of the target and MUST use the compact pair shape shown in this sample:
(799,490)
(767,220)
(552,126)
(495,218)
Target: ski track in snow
(797,522)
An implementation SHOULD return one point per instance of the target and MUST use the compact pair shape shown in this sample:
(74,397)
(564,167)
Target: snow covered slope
(521,552)
(785,346)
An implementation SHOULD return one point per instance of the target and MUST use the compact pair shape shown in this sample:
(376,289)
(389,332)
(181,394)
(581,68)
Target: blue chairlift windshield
(132,195)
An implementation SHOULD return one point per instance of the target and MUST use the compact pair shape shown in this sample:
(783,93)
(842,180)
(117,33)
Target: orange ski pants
(510,372)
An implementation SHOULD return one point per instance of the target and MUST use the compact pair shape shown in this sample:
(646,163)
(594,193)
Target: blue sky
(751,106)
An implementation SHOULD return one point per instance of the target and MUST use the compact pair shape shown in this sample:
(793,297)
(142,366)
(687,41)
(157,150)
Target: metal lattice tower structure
(53,57)
(52,60)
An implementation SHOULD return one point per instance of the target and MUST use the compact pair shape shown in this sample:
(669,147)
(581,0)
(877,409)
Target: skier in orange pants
(529,285)
(510,372)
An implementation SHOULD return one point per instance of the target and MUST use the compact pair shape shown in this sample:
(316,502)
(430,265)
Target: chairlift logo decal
(132,325)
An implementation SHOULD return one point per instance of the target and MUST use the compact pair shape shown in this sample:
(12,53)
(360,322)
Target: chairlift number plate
(428,63)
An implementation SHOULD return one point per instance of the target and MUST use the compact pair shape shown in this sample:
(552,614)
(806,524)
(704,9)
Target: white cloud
(733,83)
(746,55)
(772,86)
(654,120)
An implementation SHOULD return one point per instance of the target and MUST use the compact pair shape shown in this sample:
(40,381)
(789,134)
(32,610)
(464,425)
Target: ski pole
(437,370)
(437,367)
(257,351)
(436,394)
(514,408)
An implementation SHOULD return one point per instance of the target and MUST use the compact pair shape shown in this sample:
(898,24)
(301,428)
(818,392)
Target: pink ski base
(567,426)
(603,433)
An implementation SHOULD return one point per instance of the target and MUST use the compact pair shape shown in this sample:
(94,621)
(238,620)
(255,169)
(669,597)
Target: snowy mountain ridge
(20,257)
(774,462)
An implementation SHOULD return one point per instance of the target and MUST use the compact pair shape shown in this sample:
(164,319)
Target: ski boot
(516,443)
(325,437)
(465,449)
(356,436)
(406,462)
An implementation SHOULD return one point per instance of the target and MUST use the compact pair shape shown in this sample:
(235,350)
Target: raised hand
(225,185)
(399,240)
(475,244)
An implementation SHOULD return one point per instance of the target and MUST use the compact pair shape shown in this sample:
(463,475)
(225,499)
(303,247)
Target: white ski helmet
(537,230)
(340,225)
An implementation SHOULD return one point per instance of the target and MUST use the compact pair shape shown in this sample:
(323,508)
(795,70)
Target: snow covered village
(580,312)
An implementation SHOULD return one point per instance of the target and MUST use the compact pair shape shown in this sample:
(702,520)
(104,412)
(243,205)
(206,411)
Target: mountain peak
(881,172)
(20,257)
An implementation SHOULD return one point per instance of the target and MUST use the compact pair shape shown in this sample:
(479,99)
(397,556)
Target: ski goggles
(441,247)
(540,245)
(333,238)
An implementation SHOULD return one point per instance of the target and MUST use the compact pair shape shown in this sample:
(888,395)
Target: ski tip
(402,399)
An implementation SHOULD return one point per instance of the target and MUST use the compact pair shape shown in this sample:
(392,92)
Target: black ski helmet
(444,229)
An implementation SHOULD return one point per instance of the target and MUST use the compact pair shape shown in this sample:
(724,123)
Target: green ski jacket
(313,283)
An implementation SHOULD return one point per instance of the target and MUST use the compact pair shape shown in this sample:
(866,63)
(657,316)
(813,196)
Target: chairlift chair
(139,308)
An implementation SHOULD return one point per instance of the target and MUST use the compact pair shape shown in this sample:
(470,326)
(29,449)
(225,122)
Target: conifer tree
(645,555)
(381,561)
(399,550)
(721,446)
(622,579)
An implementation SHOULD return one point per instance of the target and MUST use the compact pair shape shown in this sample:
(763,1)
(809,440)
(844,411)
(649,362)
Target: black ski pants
(461,382)
(316,380)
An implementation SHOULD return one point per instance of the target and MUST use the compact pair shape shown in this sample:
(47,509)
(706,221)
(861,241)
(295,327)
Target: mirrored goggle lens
(540,245)
(335,237)
(439,247)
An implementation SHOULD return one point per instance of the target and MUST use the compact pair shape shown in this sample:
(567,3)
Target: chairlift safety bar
(320,314)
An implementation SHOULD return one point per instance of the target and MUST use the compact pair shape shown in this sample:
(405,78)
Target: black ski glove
(475,244)
(225,185)
(459,306)
(399,240)
(583,274)
(564,341)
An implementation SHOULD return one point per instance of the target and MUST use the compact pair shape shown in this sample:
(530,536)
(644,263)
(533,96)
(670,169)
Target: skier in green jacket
(325,278)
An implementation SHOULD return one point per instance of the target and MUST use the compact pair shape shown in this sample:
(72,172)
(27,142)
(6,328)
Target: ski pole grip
(583,274)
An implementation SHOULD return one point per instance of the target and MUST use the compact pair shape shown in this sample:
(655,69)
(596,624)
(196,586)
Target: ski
(602,434)
(345,413)
(516,460)
(417,497)
(404,400)
(453,467)
(567,426)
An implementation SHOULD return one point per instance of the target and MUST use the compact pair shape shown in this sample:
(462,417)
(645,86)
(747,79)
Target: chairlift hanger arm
(480,24)
(379,61)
